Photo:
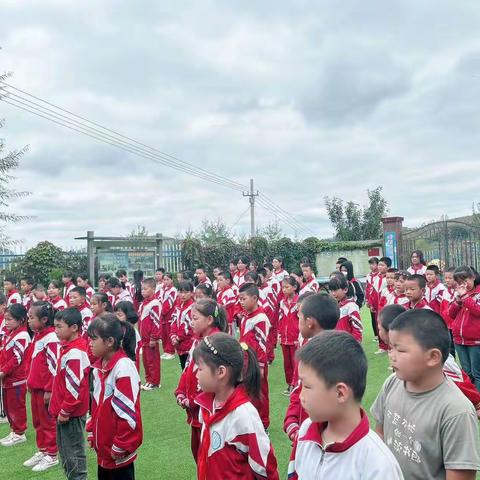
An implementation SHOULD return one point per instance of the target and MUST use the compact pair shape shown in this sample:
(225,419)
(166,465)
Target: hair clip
(215,313)
(210,346)
(244,346)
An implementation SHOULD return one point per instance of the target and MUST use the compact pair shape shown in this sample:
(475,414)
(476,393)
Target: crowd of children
(78,352)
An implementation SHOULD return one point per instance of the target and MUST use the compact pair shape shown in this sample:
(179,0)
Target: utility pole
(251,194)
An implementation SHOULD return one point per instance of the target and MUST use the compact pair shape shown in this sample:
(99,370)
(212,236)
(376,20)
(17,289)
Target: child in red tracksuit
(226,297)
(207,320)
(288,328)
(13,373)
(70,393)
(254,330)
(43,355)
(125,312)
(150,333)
(181,334)
(388,289)
(115,429)
(233,443)
(350,320)
(316,314)
(465,312)
(168,303)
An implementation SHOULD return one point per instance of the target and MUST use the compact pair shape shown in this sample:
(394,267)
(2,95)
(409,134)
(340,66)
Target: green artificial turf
(165,453)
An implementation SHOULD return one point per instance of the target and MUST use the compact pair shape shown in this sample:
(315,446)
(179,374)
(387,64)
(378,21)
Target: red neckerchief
(291,302)
(54,300)
(12,292)
(343,302)
(420,304)
(314,434)
(416,268)
(436,283)
(390,288)
(82,306)
(205,400)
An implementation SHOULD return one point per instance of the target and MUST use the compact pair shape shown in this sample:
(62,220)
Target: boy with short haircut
(373,264)
(429,426)
(150,333)
(448,296)
(318,312)
(379,284)
(26,287)
(415,292)
(38,293)
(336,442)
(398,297)
(201,276)
(159,272)
(70,393)
(78,300)
(434,288)
(254,330)
(68,286)
(388,289)
(11,292)
(123,277)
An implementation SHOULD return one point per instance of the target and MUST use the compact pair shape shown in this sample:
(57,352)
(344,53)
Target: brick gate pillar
(392,239)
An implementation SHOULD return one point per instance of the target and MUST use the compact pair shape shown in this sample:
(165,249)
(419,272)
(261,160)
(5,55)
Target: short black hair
(3,299)
(322,308)
(68,274)
(200,267)
(11,279)
(388,314)
(80,290)
(160,269)
(71,316)
(250,289)
(434,268)
(373,260)
(337,357)
(420,279)
(114,282)
(341,260)
(392,270)
(28,280)
(427,327)
(185,286)
(387,261)
(121,273)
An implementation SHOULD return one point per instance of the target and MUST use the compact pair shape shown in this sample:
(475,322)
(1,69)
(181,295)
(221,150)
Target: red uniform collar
(119,354)
(205,399)
(186,304)
(56,299)
(418,267)
(254,313)
(435,284)
(19,329)
(314,434)
(149,299)
(44,333)
(82,306)
(420,304)
(79,342)
(12,292)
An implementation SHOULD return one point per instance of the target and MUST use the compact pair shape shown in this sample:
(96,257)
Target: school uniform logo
(216,441)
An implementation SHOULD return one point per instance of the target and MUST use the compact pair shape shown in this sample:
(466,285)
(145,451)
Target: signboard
(391,247)
(113,260)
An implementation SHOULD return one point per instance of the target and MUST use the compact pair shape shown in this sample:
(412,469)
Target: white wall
(325,261)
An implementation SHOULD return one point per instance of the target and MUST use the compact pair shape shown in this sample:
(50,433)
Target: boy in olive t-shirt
(428,424)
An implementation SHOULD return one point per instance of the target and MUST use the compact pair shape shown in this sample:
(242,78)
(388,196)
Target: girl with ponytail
(115,428)
(233,438)
(208,318)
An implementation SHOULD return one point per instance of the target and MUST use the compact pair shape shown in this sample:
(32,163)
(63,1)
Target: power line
(241,216)
(115,139)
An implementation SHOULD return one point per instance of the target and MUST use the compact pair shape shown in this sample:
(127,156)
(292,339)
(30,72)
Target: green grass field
(165,453)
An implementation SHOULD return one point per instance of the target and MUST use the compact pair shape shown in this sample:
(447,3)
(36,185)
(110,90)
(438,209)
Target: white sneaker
(8,437)
(380,351)
(14,440)
(168,356)
(3,419)
(32,461)
(150,386)
(45,463)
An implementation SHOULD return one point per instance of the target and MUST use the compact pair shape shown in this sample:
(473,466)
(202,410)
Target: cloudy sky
(309,98)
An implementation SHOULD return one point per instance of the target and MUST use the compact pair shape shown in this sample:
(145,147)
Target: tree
(141,232)
(9,161)
(353,222)
(213,231)
(272,232)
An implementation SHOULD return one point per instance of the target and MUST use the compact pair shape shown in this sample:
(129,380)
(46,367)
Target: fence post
(159,250)
(392,239)
(91,257)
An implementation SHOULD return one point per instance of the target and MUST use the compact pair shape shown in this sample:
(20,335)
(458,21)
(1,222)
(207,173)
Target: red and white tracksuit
(168,303)
(186,393)
(447,299)
(434,295)
(422,304)
(350,320)
(369,287)
(417,269)
(396,299)
(234,444)
(123,296)
(465,312)
(66,290)
(70,390)
(87,317)
(181,327)
(89,291)
(58,303)
(280,275)
(383,301)
(27,301)
(289,332)
(239,278)
(115,427)
(44,352)
(462,381)
(309,286)
(13,364)
(150,330)
(13,297)
(295,414)
(254,330)
(227,299)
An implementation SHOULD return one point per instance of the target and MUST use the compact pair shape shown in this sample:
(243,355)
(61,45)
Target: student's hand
(62,420)
(46,398)
(117,456)
(293,436)
(461,289)
(152,343)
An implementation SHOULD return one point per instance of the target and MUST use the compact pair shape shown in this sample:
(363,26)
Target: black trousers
(183,360)
(123,473)
(374,323)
